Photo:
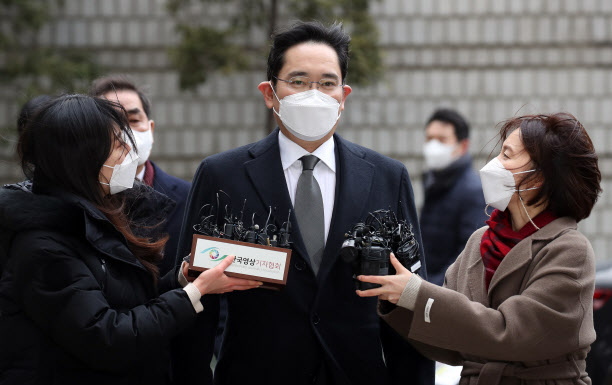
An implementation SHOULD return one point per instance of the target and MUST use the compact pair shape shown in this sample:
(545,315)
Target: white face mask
(438,155)
(144,143)
(498,184)
(309,115)
(123,174)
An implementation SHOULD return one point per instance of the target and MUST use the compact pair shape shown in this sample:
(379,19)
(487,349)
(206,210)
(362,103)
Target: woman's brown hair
(563,156)
(148,251)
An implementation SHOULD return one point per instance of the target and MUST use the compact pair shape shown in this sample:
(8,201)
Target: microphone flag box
(267,264)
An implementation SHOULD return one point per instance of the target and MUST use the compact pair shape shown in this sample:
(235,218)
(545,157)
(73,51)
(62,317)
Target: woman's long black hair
(66,145)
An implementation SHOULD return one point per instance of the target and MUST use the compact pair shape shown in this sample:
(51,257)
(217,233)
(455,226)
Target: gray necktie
(309,212)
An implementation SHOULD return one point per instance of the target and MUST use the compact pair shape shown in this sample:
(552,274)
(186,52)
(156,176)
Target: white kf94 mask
(438,155)
(123,174)
(144,143)
(498,184)
(309,115)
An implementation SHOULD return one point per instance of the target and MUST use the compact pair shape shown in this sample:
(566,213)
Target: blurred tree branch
(30,69)
(205,48)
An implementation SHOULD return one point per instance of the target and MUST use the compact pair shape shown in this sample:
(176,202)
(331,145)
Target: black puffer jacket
(76,307)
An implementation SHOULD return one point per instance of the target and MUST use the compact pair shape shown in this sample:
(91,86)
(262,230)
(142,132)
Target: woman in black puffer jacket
(80,297)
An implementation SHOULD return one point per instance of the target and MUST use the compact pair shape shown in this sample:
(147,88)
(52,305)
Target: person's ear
(346,91)
(539,179)
(266,90)
(152,125)
(464,145)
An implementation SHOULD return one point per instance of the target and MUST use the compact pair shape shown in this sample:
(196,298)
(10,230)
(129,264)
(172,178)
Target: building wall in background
(488,59)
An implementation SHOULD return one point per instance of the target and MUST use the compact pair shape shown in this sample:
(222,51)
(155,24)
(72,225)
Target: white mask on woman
(144,143)
(123,174)
(498,184)
(309,115)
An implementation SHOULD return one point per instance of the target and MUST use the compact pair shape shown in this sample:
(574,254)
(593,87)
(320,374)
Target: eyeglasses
(302,83)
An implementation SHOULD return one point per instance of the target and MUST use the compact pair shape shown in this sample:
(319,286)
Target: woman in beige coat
(517,304)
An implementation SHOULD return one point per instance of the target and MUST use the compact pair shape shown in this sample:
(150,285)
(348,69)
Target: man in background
(122,90)
(454,203)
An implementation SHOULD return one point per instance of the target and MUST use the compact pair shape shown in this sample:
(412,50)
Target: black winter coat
(76,307)
(453,210)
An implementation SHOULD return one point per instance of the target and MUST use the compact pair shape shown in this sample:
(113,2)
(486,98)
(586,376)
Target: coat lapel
(519,256)
(354,178)
(475,277)
(522,253)
(266,173)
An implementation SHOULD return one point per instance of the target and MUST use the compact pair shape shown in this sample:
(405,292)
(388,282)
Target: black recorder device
(368,246)
(234,228)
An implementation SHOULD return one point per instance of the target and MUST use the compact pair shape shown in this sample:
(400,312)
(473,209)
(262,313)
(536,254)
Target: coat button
(315,319)
(300,265)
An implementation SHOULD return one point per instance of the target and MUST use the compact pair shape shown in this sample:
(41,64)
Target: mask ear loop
(486,212)
(276,96)
(521,198)
(106,184)
(525,208)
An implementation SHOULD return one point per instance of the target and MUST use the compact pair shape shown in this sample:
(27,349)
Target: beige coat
(534,326)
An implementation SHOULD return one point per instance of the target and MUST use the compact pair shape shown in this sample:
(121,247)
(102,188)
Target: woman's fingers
(399,268)
(185,269)
(227,284)
(242,287)
(392,286)
(229,288)
(231,281)
(224,264)
(372,292)
(380,279)
(215,281)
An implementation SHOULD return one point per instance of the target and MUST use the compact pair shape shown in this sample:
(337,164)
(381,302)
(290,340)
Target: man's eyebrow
(297,73)
(326,75)
(331,75)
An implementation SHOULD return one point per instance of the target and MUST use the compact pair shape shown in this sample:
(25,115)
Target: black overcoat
(316,330)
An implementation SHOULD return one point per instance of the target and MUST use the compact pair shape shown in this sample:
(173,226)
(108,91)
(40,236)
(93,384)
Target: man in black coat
(315,330)
(454,203)
(138,107)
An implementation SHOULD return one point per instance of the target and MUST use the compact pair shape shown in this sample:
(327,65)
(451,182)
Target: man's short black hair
(113,83)
(333,36)
(446,115)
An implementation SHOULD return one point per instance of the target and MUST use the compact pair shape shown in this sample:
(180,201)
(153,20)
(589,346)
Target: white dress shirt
(324,172)
(140,175)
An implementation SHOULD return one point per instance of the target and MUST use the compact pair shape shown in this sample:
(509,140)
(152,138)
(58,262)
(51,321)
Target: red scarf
(499,238)
(149,174)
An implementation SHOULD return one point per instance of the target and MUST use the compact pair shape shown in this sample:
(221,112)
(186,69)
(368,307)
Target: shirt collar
(140,175)
(290,152)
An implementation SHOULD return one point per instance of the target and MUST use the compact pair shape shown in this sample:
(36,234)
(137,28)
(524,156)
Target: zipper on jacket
(103,283)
